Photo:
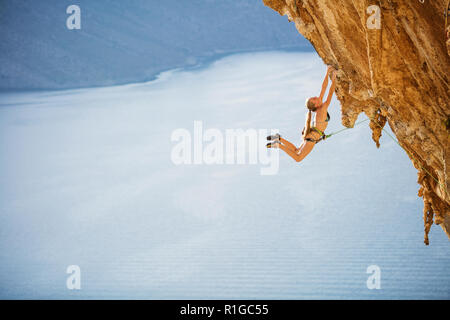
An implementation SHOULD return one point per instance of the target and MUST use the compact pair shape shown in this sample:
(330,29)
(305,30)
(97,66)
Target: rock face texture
(393,64)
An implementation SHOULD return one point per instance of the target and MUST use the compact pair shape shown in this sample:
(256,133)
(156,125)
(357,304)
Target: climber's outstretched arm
(330,69)
(330,93)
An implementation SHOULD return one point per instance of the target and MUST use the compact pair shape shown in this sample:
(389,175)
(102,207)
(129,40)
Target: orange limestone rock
(394,65)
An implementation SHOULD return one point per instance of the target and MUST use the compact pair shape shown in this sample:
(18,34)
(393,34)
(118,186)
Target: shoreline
(202,61)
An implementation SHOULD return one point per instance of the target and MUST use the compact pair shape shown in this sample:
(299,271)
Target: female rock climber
(314,134)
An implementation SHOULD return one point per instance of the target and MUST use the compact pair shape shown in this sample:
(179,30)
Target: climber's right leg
(284,145)
(292,153)
(288,144)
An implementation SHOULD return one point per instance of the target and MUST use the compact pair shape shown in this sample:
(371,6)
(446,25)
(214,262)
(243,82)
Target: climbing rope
(428,211)
(412,157)
(339,131)
(398,143)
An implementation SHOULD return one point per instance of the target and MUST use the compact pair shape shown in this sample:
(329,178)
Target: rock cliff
(393,64)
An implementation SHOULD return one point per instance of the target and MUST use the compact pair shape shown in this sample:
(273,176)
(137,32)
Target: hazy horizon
(125,42)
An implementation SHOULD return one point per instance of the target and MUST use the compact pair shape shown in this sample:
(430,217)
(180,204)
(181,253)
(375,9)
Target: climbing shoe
(274,137)
(274,144)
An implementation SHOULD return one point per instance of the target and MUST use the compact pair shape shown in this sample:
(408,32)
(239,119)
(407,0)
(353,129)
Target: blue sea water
(87,179)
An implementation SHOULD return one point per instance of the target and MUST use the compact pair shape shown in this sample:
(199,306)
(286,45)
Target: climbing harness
(324,136)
